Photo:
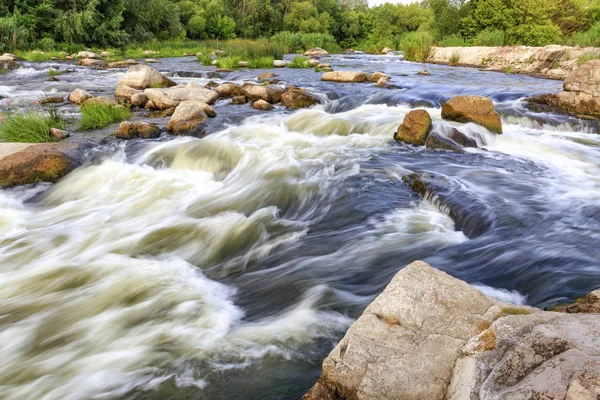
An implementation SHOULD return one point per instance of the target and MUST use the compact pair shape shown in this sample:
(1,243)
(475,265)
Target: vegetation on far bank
(175,27)
(29,126)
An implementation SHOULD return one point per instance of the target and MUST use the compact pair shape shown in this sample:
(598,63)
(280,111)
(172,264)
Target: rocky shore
(431,336)
(554,62)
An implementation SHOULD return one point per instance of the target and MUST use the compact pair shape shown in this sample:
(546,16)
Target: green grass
(98,115)
(507,69)
(453,41)
(299,62)
(3,71)
(261,62)
(587,57)
(491,38)
(589,38)
(53,72)
(454,59)
(229,62)
(300,42)
(515,311)
(416,45)
(30,126)
(37,56)
(205,59)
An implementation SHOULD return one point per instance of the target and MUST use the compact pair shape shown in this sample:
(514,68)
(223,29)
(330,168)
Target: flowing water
(227,267)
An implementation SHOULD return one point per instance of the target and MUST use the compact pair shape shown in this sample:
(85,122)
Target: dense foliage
(42,24)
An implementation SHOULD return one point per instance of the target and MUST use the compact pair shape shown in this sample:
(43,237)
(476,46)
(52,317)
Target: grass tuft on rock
(261,63)
(515,311)
(53,72)
(299,62)
(97,115)
(29,126)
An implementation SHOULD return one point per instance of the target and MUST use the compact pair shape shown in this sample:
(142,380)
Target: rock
(122,64)
(168,112)
(217,53)
(139,100)
(423,72)
(150,52)
(479,110)
(142,77)
(9,65)
(35,163)
(53,79)
(437,141)
(124,93)
(214,62)
(344,76)
(386,50)
(79,96)
(297,98)
(188,118)
(69,58)
(88,54)
(151,61)
(239,100)
(279,63)
(59,134)
(378,75)
(269,93)
(243,64)
(462,139)
(324,66)
(313,63)
(106,54)
(131,130)
(151,106)
(383,82)
(415,128)
(229,89)
(103,100)
(51,100)
(8,57)
(91,62)
(167,98)
(266,75)
(211,84)
(262,105)
(431,336)
(589,303)
(316,52)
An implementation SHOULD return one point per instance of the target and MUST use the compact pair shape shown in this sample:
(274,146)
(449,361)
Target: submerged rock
(316,52)
(423,72)
(188,118)
(378,75)
(79,96)
(344,76)
(431,336)
(297,98)
(262,105)
(142,77)
(35,163)
(437,141)
(477,109)
(415,128)
(266,75)
(131,130)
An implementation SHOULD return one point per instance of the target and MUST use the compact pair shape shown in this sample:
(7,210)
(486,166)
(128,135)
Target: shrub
(489,37)
(589,38)
(30,126)
(205,59)
(13,36)
(300,42)
(299,62)
(416,45)
(261,62)
(453,41)
(96,115)
(46,44)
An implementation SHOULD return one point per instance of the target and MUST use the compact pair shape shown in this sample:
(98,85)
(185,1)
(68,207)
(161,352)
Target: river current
(227,267)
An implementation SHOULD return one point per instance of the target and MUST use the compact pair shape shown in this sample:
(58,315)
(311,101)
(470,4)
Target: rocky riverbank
(431,336)
(554,62)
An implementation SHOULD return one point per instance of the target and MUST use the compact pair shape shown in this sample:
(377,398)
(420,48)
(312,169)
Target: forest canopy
(43,24)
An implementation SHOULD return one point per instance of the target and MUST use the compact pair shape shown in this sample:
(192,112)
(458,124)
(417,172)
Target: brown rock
(142,77)
(59,134)
(414,128)
(90,62)
(589,303)
(139,100)
(53,79)
(188,118)
(122,64)
(45,162)
(168,112)
(123,93)
(580,104)
(262,105)
(479,110)
(344,76)
(266,75)
(53,99)
(378,75)
(316,52)
(229,89)
(167,98)
(423,72)
(131,130)
(585,79)
(79,96)
(269,93)
(239,100)
(297,98)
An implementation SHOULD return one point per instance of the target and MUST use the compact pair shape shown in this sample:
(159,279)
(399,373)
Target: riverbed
(228,266)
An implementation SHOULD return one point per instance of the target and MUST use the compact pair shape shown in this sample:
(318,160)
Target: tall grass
(453,41)
(229,62)
(261,62)
(96,115)
(589,38)
(299,62)
(39,56)
(489,37)
(300,42)
(588,57)
(29,126)
(416,45)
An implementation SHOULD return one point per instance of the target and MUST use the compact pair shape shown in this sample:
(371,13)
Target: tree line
(351,23)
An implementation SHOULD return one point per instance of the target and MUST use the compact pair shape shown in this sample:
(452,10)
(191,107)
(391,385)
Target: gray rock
(166,98)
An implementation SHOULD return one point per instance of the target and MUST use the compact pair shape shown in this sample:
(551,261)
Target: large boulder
(316,52)
(131,130)
(479,110)
(142,77)
(585,79)
(123,93)
(576,103)
(344,76)
(79,96)
(229,89)
(431,336)
(268,93)
(163,99)
(415,128)
(188,118)
(23,164)
(589,303)
(297,98)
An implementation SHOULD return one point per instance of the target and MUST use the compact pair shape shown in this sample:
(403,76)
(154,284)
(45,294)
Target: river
(227,267)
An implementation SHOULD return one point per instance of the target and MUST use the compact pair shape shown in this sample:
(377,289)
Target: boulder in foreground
(415,128)
(344,76)
(431,336)
(188,118)
(131,130)
(25,164)
(297,98)
(477,109)
(142,77)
